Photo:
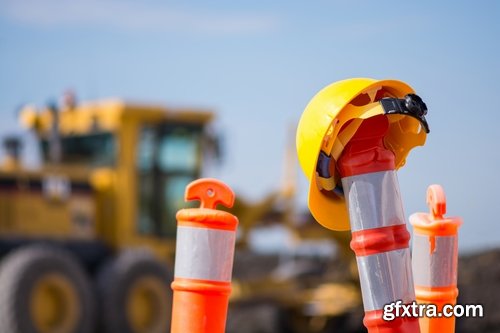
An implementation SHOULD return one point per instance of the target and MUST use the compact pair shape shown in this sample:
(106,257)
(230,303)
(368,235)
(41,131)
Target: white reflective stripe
(385,278)
(204,254)
(436,269)
(374,200)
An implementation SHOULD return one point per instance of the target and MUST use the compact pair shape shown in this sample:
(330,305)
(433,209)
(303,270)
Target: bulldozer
(87,238)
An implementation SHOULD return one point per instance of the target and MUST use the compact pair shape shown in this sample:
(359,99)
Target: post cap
(210,192)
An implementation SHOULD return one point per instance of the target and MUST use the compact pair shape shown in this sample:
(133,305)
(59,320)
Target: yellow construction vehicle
(87,239)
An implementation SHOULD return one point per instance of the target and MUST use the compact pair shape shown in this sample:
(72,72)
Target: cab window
(96,149)
(168,159)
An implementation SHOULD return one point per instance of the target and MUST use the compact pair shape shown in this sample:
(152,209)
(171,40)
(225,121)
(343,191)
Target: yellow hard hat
(331,119)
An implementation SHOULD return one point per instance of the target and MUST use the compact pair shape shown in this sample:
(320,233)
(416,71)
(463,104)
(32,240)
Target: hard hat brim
(329,209)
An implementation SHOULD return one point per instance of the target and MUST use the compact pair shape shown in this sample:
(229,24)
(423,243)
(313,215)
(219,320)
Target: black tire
(20,272)
(116,280)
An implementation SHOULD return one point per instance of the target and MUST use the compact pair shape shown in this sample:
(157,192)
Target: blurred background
(254,67)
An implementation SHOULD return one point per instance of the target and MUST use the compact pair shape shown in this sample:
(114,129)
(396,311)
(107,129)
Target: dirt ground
(479,283)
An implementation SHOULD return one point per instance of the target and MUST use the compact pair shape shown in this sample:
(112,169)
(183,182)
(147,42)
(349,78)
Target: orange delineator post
(204,260)
(380,239)
(435,259)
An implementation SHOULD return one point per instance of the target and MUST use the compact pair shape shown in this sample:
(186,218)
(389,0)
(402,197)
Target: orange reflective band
(375,323)
(424,225)
(438,296)
(199,306)
(378,240)
(427,294)
(217,287)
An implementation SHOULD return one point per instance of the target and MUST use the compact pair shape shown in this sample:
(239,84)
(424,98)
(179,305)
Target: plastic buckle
(323,165)
(412,105)
(326,179)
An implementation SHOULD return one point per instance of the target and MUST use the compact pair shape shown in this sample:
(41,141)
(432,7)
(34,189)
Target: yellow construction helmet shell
(321,121)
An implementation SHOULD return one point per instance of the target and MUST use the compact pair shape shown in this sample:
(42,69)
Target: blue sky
(258,64)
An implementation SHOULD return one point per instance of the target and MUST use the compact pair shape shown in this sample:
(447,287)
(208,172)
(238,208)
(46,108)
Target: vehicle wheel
(135,294)
(43,289)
